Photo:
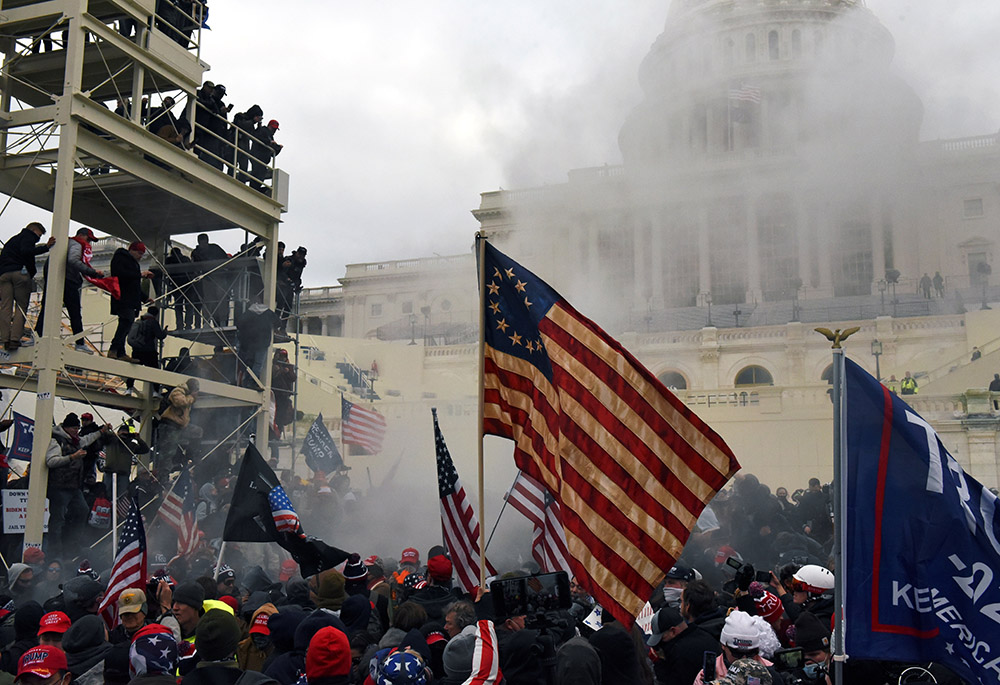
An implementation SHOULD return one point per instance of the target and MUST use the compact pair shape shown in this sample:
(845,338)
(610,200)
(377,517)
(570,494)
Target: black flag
(261,512)
(320,450)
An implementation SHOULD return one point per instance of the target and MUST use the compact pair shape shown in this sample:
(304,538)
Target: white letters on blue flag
(922,555)
(24,437)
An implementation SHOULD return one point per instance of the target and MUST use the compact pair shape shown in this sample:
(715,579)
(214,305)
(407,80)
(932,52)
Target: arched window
(754,375)
(674,380)
(796,43)
(772,45)
(751,47)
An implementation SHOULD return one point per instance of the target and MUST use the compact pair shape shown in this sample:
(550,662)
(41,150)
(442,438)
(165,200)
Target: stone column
(754,293)
(805,237)
(704,254)
(825,227)
(656,261)
(878,243)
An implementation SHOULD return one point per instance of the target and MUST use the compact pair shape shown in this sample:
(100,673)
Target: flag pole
(481,253)
(218,563)
(114,517)
(503,508)
(840,497)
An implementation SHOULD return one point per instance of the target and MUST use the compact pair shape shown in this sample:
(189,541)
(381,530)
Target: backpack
(136,335)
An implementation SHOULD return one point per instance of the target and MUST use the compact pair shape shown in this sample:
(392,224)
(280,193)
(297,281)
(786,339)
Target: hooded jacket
(179,403)
(125,267)
(247,655)
(286,667)
(578,663)
(85,649)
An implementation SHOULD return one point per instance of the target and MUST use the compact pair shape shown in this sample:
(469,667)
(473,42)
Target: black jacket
(126,269)
(20,251)
(682,658)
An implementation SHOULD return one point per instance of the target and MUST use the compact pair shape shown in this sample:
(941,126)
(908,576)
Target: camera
(745,574)
(792,663)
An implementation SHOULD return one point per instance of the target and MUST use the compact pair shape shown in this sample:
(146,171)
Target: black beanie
(71,420)
(810,633)
(354,569)
(191,594)
(217,635)
(26,620)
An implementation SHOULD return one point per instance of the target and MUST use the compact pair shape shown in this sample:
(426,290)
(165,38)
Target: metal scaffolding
(67,151)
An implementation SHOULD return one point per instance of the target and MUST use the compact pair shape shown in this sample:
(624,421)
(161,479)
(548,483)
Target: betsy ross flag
(129,569)
(548,547)
(361,426)
(459,524)
(261,512)
(178,512)
(319,448)
(923,542)
(629,464)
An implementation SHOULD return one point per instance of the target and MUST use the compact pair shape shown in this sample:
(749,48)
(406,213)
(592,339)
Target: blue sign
(24,438)
(922,555)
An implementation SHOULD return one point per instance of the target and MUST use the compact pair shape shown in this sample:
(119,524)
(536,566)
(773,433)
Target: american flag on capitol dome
(629,464)
(459,523)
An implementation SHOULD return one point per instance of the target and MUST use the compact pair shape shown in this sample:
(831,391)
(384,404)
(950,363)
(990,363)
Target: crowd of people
(749,602)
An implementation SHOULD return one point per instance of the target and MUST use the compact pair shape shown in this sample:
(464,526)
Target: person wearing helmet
(811,590)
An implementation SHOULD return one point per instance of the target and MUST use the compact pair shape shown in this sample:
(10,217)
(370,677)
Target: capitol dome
(768,76)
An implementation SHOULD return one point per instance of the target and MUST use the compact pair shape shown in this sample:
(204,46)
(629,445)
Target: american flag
(629,464)
(459,523)
(745,93)
(129,569)
(178,512)
(548,547)
(285,518)
(361,426)
(485,658)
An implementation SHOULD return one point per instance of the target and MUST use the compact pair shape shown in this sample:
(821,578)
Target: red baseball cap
(87,233)
(409,556)
(54,622)
(86,415)
(43,662)
(273,123)
(260,624)
(138,246)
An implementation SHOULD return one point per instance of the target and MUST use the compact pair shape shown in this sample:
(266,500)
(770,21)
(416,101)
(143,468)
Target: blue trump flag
(922,554)
(24,437)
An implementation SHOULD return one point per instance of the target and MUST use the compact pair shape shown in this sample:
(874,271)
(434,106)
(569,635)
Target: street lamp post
(708,302)
(413,329)
(877,352)
(882,287)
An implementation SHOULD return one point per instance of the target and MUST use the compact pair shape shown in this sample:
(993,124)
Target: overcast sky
(396,116)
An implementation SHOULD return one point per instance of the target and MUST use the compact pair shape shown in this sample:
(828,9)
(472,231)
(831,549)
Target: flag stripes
(129,569)
(178,510)
(548,546)
(745,93)
(485,658)
(630,465)
(459,523)
(361,426)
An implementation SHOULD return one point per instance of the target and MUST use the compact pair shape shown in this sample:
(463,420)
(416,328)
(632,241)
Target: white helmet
(814,579)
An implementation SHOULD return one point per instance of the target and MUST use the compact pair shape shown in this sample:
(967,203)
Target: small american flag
(285,518)
(459,522)
(129,569)
(548,547)
(178,512)
(485,659)
(361,426)
(745,93)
